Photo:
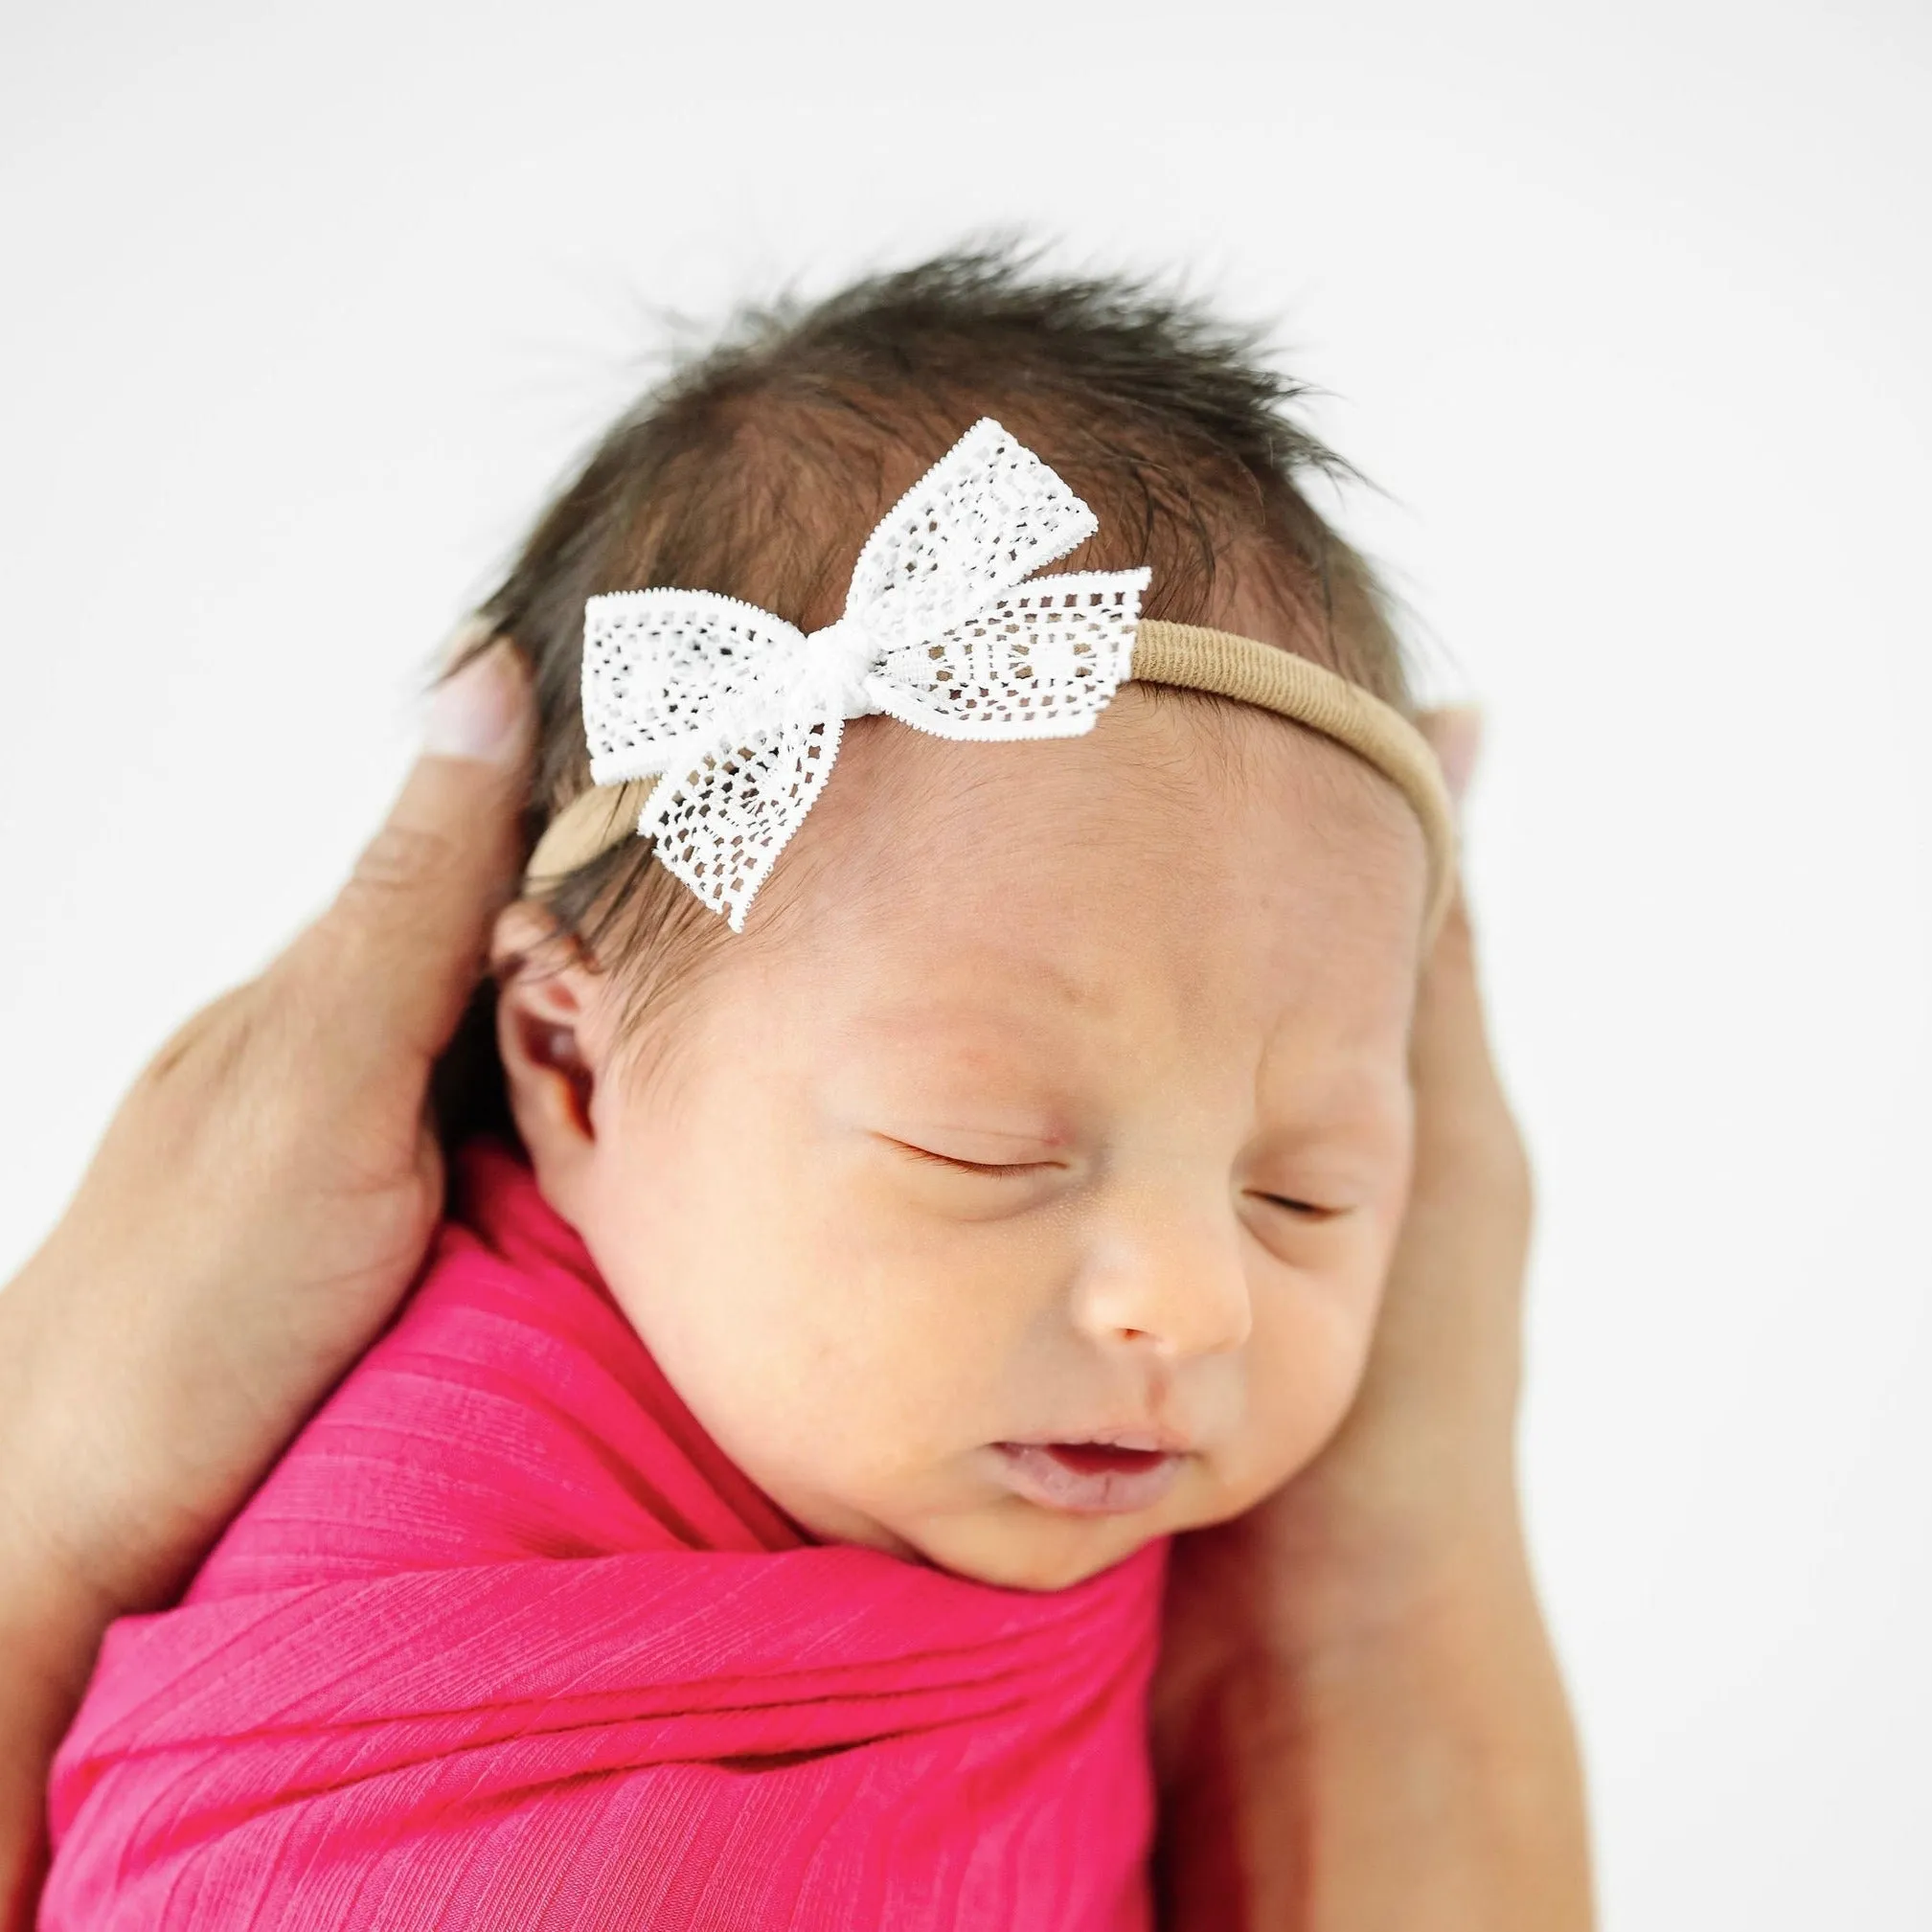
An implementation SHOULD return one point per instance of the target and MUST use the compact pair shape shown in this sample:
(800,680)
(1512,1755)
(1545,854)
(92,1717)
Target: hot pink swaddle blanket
(504,1640)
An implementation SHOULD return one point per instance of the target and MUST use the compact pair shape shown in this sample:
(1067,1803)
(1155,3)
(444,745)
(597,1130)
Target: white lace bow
(740,714)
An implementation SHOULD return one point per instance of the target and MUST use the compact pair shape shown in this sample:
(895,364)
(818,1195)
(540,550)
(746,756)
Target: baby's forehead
(1191,861)
(1169,783)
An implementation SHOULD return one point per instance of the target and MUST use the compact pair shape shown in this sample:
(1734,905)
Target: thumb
(1449,1049)
(1455,733)
(1469,1147)
(386,969)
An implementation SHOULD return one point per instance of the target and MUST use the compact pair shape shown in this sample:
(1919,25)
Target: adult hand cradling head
(255,1212)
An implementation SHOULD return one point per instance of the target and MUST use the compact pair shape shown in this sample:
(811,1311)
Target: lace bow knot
(840,661)
(739,714)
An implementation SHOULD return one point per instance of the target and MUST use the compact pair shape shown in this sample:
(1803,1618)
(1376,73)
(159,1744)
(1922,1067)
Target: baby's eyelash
(998,1168)
(1309,1209)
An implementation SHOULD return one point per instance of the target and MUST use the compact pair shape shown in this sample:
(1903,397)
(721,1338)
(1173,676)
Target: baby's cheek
(914,1341)
(845,1360)
(1306,1363)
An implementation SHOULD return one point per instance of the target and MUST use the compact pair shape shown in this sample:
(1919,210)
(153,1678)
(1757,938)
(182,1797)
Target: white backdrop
(1626,307)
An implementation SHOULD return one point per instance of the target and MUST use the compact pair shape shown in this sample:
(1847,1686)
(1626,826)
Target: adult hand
(1358,1719)
(254,1214)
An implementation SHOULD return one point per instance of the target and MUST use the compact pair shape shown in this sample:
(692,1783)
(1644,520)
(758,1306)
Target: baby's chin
(1021,1545)
(1035,1556)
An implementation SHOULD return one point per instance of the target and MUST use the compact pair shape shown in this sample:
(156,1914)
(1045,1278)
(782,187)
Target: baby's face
(1020,1185)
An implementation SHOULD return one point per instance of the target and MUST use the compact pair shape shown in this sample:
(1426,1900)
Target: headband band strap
(1190,658)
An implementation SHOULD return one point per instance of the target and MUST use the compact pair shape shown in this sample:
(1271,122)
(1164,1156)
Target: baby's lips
(1088,1479)
(1163,1441)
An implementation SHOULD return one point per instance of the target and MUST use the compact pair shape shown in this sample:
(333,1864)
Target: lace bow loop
(739,714)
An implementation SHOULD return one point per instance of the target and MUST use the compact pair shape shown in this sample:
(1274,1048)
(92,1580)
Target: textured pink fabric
(506,1640)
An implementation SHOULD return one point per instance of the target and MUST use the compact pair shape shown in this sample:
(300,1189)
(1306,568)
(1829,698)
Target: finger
(386,969)
(1455,733)
(1449,1050)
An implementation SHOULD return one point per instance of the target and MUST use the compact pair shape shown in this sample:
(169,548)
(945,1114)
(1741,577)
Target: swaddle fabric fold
(506,1640)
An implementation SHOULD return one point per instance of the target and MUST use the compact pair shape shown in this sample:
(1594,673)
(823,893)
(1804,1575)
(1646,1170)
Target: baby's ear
(547,994)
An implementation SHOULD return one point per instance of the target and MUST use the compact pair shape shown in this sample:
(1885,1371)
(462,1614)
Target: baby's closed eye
(1017,1165)
(966,1173)
(1307,1210)
(975,1152)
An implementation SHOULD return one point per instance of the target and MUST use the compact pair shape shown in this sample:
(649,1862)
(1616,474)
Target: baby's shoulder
(510,1412)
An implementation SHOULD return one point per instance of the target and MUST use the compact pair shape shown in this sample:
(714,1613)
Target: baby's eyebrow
(975,1061)
(1356,1104)
(961,1055)
(999,1013)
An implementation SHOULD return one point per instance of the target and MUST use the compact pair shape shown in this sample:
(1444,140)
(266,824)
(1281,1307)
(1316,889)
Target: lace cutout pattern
(661,667)
(721,825)
(740,714)
(1039,662)
(986,515)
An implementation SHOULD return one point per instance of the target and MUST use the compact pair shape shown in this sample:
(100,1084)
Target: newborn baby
(1017,1187)
(1013,1191)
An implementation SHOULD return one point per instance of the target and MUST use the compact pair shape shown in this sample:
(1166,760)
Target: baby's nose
(1168,1277)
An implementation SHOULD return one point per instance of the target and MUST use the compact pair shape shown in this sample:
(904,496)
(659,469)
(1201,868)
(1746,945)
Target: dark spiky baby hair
(759,464)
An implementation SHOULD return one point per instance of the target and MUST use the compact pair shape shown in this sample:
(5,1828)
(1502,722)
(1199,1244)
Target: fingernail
(1458,738)
(471,634)
(481,712)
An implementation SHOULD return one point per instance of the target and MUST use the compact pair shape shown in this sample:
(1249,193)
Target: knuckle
(1455,947)
(403,859)
(205,1048)
(1518,1184)
(1480,1151)
(298,998)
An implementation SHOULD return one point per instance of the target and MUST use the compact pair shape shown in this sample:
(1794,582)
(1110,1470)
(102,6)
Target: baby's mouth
(1088,1479)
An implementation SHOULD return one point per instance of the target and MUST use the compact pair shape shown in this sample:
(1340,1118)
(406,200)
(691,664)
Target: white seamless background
(1626,309)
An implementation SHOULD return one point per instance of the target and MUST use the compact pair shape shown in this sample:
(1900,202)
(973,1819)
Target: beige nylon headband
(1182,654)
